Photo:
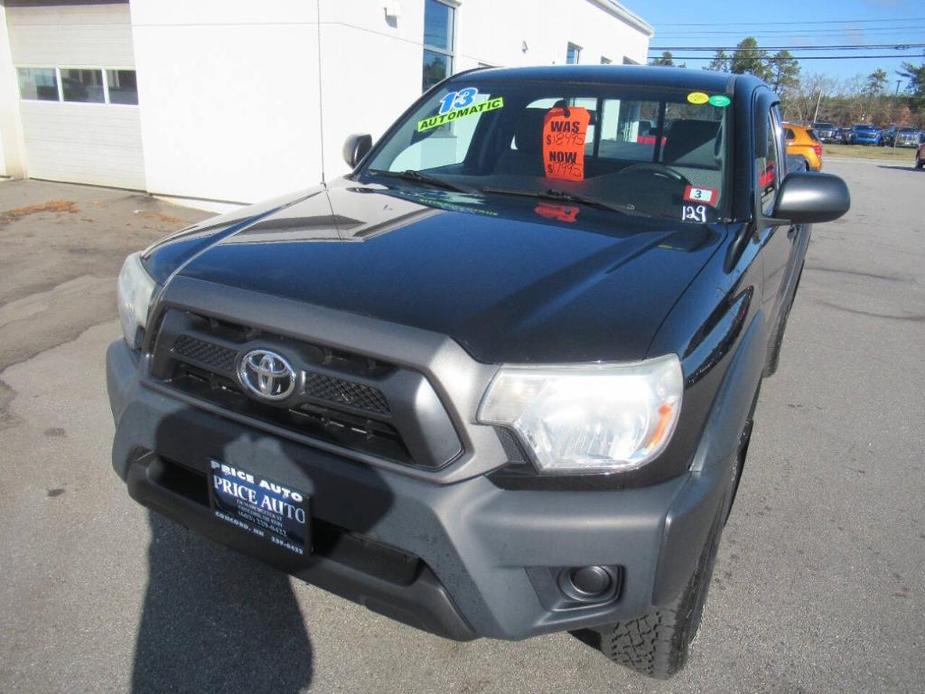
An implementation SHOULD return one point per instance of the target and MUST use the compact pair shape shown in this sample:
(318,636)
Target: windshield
(645,151)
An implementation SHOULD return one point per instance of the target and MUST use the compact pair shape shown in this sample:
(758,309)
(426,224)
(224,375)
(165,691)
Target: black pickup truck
(499,380)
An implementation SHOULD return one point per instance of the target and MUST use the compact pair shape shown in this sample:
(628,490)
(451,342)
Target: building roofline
(631,18)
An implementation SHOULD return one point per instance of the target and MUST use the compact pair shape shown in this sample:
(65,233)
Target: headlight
(135,290)
(588,418)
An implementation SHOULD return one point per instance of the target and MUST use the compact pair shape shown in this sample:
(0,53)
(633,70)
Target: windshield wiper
(563,196)
(426,179)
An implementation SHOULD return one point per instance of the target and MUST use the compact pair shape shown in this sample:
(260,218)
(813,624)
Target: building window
(605,60)
(38,83)
(85,86)
(572,54)
(78,85)
(122,87)
(438,42)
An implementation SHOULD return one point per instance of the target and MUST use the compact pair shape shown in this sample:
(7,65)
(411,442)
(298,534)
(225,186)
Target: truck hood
(513,280)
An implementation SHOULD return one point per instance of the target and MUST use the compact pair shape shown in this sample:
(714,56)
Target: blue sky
(827,22)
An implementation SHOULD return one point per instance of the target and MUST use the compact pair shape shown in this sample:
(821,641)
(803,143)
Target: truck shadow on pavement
(215,620)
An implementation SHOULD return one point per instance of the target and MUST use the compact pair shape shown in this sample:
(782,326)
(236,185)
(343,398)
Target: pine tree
(748,58)
(876,83)
(784,71)
(720,62)
(665,59)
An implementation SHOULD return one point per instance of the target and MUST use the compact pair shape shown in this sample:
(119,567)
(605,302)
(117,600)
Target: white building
(235,100)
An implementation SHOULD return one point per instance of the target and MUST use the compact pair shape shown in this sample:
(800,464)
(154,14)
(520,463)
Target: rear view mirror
(356,147)
(811,198)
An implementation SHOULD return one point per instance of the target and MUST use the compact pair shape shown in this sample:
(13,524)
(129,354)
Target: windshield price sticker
(564,130)
(720,100)
(707,196)
(459,104)
(259,506)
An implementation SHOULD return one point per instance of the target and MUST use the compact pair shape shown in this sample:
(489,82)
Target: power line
(790,32)
(799,23)
(814,57)
(845,47)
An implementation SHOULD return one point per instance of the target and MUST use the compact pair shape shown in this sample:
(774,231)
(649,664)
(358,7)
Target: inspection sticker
(698,98)
(564,130)
(706,196)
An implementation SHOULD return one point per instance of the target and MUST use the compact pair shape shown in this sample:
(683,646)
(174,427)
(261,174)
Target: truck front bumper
(463,560)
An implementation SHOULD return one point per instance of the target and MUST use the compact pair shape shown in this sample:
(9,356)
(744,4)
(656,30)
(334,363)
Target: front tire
(658,644)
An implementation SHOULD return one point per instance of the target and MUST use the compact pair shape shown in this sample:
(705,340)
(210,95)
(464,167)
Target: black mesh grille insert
(336,390)
(205,353)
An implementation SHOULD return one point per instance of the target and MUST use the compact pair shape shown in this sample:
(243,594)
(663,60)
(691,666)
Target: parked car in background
(900,137)
(803,144)
(826,132)
(864,134)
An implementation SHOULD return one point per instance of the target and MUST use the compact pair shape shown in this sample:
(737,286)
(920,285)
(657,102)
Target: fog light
(588,583)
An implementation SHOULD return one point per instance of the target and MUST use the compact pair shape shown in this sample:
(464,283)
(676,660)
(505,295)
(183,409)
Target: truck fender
(703,496)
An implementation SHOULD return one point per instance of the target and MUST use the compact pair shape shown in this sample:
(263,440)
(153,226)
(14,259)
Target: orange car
(802,143)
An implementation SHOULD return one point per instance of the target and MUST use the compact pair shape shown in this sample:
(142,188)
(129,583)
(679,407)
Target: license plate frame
(260,506)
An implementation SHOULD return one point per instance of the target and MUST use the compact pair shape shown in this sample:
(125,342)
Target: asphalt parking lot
(819,585)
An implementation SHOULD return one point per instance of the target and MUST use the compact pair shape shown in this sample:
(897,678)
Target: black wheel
(919,163)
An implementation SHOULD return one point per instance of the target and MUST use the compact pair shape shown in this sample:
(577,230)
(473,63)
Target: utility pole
(898,82)
(818,101)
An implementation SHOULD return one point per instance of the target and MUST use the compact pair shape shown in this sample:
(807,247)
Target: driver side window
(769,162)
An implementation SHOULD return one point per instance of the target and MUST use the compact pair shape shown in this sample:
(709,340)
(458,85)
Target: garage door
(78,98)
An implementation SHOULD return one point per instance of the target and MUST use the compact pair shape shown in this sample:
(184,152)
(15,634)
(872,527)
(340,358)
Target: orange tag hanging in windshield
(564,142)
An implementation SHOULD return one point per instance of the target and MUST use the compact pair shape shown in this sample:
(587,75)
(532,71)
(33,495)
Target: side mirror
(811,198)
(356,147)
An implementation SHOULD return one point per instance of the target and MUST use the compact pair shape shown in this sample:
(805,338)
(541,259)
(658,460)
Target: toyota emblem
(267,375)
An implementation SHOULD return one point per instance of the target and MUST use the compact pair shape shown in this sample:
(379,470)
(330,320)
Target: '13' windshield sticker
(460,99)
(694,213)
(460,104)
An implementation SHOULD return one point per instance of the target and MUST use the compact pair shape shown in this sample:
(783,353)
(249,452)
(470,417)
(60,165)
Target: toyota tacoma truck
(500,379)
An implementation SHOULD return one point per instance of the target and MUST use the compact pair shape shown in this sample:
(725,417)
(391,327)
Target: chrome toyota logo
(267,375)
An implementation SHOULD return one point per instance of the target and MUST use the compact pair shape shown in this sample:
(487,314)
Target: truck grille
(345,399)
(210,355)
